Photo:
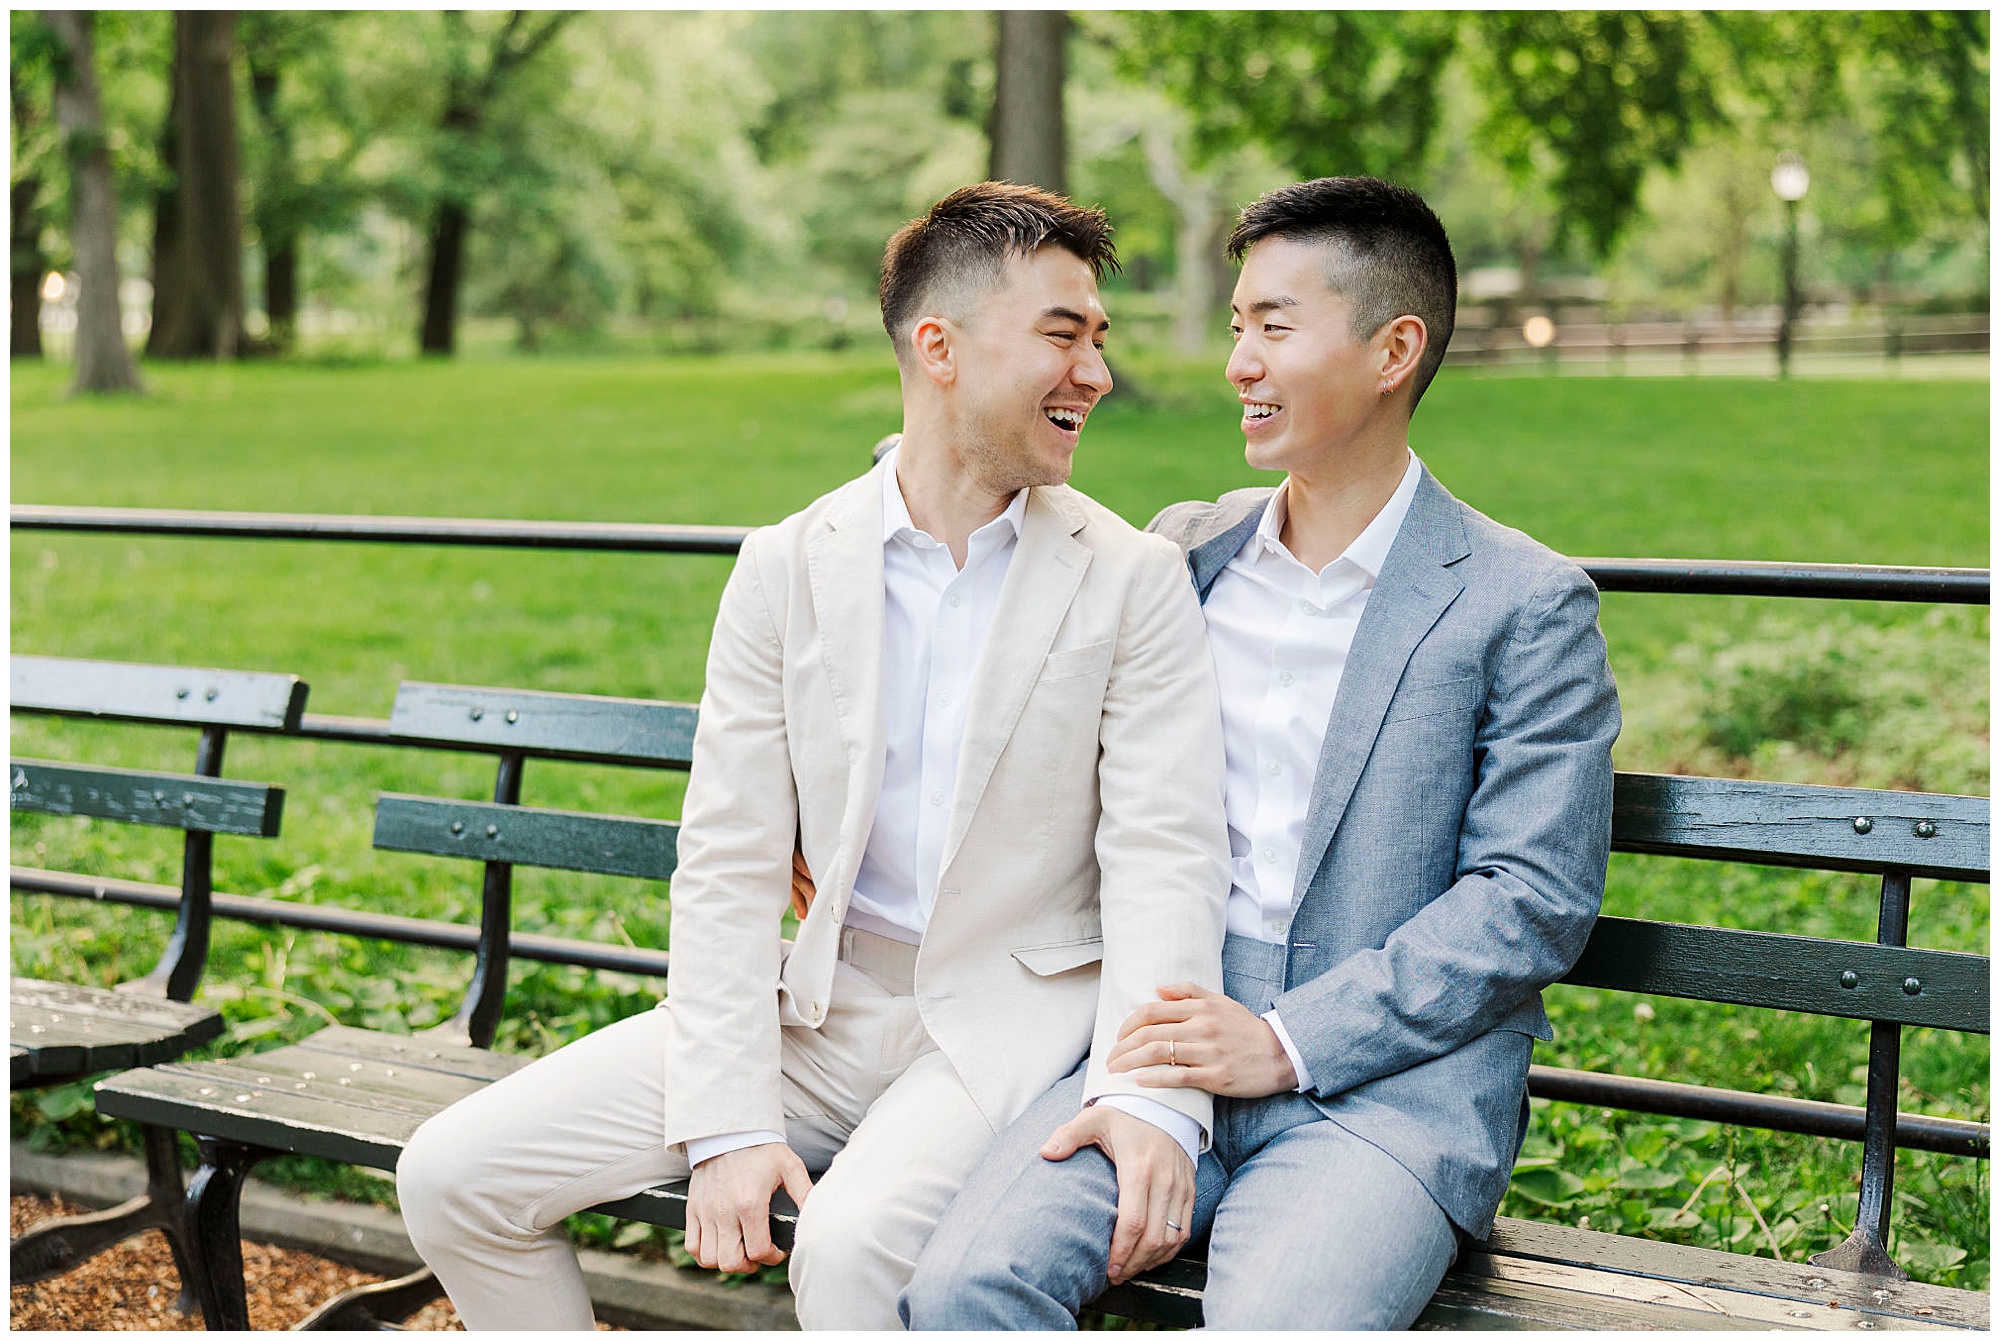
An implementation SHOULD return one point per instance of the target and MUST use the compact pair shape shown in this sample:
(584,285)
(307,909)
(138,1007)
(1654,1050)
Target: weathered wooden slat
(128,691)
(483,831)
(1827,828)
(69,1042)
(641,730)
(1761,968)
(19,1068)
(416,1052)
(194,1098)
(152,1011)
(300,1076)
(1859,1294)
(174,800)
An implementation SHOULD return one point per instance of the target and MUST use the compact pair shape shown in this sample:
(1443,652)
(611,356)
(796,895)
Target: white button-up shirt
(935,617)
(1280,636)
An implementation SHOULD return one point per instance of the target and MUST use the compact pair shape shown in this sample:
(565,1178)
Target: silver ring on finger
(1171,1225)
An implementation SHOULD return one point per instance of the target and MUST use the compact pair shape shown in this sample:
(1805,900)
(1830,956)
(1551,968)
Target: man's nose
(1244,367)
(1092,371)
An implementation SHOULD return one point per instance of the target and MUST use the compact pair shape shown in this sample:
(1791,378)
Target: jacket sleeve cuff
(1270,1017)
(1185,1130)
(704,1148)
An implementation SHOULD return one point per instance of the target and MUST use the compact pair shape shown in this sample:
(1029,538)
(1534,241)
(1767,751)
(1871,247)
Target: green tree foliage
(1330,92)
(1593,99)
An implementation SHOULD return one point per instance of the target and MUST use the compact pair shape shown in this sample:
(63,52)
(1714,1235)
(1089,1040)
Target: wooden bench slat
(525,836)
(155,1011)
(639,730)
(73,1037)
(190,1098)
(1805,973)
(312,1077)
(1798,825)
(173,800)
(130,691)
(415,1051)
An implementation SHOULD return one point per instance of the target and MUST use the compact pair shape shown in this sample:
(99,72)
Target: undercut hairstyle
(1387,254)
(954,253)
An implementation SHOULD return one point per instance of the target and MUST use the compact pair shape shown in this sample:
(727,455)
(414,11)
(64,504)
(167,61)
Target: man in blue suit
(1418,716)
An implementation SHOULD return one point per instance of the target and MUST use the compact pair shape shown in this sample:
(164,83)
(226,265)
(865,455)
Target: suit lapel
(844,569)
(1415,587)
(1236,515)
(1042,580)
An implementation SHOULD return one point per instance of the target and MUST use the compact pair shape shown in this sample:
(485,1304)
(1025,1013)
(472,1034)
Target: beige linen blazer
(1086,858)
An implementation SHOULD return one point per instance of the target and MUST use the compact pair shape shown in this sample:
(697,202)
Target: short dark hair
(1395,258)
(967,237)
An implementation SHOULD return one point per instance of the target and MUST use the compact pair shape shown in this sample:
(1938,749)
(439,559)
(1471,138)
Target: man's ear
(1401,343)
(933,345)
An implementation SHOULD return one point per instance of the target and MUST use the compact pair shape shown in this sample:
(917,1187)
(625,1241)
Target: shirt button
(937,798)
(1270,854)
(1308,608)
(954,600)
(1275,927)
(1285,679)
(944,700)
(1272,768)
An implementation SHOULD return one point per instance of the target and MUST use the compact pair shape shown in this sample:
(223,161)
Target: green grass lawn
(1863,693)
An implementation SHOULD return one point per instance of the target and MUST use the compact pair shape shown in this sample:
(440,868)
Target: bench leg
(369,1307)
(56,1245)
(213,1198)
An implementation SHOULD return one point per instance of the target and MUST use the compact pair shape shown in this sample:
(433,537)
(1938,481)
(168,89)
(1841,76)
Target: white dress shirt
(935,617)
(1280,636)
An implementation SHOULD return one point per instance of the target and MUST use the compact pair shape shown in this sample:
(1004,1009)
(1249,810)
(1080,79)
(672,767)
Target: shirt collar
(896,511)
(1369,550)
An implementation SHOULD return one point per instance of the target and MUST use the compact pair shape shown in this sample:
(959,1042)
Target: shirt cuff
(1291,1050)
(704,1148)
(1187,1133)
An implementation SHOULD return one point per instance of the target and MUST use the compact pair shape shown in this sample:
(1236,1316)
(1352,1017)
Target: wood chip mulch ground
(133,1286)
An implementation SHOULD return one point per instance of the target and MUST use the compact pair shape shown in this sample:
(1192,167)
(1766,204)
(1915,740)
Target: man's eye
(1236,332)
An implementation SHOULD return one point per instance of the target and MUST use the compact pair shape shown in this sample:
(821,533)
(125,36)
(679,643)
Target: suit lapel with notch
(1042,580)
(844,571)
(1415,587)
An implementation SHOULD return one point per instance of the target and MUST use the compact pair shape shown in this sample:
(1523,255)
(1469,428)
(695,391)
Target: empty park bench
(61,1032)
(358,1096)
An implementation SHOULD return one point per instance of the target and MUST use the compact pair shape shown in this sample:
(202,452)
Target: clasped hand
(1202,1040)
(729,1205)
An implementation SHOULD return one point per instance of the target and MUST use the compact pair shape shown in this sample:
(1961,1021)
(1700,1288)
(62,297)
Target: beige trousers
(875,1111)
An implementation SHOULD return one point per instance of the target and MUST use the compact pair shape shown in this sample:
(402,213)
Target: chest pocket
(1076,662)
(1460,696)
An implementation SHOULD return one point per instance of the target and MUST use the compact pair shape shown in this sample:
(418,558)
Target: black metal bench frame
(61,1033)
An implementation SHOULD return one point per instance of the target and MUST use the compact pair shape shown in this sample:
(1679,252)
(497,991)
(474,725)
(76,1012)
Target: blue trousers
(1307,1225)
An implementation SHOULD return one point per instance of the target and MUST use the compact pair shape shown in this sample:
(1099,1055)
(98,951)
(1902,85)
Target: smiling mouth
(1257,411)
(1067,419)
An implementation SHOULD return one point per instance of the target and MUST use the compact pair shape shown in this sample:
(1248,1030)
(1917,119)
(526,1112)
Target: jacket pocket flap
(1090,659)
(1048,960)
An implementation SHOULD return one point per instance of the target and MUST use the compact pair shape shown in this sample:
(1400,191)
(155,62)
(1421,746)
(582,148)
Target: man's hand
(729,1205)
(1155,1184)
(1211,1043)
(802,886)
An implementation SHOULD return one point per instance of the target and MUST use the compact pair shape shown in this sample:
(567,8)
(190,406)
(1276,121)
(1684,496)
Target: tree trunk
(277,233)
(170,271)
(1027,126)
(1197,203)
(102,361)
(447,257)
(27,264)
(210,248)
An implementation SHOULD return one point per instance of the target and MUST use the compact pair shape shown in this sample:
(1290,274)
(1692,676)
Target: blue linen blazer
(1456,840)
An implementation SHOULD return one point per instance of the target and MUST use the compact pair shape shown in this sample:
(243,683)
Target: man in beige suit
(981,708)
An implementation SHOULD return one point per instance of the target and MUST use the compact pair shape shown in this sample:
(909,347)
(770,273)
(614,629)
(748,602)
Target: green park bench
(62,1032)
(358,1096)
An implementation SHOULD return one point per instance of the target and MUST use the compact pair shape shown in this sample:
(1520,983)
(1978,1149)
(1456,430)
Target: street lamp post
(1789,179)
